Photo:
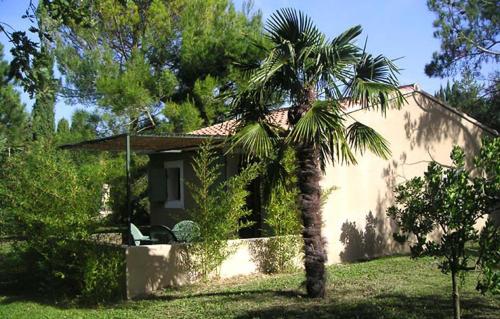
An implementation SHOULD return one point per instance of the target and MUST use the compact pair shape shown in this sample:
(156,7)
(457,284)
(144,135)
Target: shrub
(279,252)
(52,204)
(103,273)
(219,208)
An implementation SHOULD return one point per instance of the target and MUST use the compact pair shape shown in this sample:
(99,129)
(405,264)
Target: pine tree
(147,62)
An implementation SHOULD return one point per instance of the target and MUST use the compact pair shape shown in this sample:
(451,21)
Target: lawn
(394,287)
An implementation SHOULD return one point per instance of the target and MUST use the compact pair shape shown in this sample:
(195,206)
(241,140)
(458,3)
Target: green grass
(394,287)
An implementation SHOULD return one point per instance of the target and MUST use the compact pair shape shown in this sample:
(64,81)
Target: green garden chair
(138,237)
(186,231)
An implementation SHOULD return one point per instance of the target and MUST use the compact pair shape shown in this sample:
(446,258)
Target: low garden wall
(152,267)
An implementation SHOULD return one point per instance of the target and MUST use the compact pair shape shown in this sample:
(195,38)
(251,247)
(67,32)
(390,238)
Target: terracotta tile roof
(224,129)
(278,117)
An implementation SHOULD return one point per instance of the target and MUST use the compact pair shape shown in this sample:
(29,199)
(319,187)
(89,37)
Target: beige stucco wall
(153,267)
(419,132)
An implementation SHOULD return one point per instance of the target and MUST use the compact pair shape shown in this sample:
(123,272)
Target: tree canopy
(466,95)
(469,31)
(141,58)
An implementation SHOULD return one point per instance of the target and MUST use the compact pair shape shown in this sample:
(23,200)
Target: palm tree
(315,77)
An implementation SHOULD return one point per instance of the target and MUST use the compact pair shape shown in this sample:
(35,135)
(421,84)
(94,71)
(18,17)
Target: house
(355,225)
(423,130)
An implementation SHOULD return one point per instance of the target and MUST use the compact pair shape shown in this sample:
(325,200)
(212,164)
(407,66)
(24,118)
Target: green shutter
(157,185)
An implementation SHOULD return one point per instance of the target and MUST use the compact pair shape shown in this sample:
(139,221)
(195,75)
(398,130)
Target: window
(174,184)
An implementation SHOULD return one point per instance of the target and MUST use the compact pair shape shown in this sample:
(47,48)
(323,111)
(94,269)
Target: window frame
(175,203)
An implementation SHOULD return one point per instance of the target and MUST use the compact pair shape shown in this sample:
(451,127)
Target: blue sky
(396,28)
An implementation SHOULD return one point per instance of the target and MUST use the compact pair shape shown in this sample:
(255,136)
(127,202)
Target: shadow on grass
(389,306)
(233,295)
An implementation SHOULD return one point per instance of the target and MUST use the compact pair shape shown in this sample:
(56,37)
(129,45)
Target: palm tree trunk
(310,205)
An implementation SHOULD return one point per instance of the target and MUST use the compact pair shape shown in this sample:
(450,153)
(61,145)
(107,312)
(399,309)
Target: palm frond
(335,149)
(333,60)
(316,123)
(256,140)
(346,37)
(341,51)
(323,126)
(362,137)
(293,26)
(253,104)
(269,67)
(374,84)
(274,171)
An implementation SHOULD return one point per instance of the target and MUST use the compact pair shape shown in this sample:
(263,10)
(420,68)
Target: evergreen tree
(469,31)
(25,49)
(63,126)
(13,117)
(140,57)
(43,115)
(466,95)
(84,125)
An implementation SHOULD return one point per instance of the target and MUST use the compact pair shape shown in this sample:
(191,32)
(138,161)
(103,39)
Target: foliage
(183,117)
(282,218)
(13,118)
(214,108)
(441,210)
(469,34)
(219,208)
(56,220)
(26,51)
(138,59)
(488,161)
(84,126)
(43,114)
(103,274)
(467,95)
(62,127)
(115,177)
(313,75)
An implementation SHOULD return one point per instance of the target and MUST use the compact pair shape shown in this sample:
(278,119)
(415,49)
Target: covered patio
(143,144)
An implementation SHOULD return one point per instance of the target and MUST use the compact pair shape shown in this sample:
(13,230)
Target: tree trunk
(310,205)
(455,295)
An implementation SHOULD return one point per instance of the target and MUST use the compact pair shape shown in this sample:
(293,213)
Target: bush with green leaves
(488,161)
(103,273)
(219,209)
(51,204)
(278,253)
(439,213)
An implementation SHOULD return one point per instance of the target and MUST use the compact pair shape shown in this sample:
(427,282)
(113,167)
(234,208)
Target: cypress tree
(13,118)
(63,127)
(43,115)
